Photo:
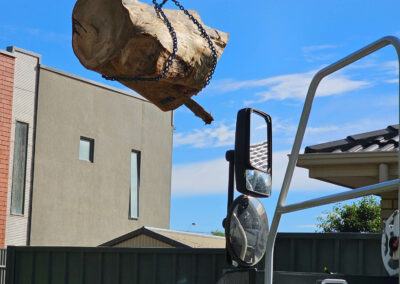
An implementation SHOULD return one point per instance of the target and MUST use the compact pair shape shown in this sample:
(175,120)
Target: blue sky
(275,47)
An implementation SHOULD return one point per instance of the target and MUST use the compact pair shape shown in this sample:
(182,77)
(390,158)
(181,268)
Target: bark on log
(126,38)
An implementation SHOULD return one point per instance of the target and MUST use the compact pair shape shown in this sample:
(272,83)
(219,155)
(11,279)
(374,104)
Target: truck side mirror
(253,153)
(246,231)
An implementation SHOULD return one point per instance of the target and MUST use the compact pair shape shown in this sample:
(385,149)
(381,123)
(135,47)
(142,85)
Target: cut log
(128,39)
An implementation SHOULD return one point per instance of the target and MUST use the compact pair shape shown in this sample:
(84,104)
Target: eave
(350,169)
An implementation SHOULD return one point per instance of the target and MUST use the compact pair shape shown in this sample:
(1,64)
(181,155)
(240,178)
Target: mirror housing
(243,165)
(246,231)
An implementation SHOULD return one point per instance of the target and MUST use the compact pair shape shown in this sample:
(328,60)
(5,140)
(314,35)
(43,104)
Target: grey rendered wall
(25,84)
(77,203)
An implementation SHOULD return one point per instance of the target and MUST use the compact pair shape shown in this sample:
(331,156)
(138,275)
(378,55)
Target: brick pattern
(7,64)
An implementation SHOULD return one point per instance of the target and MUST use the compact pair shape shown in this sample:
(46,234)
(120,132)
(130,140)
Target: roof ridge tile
(372,141)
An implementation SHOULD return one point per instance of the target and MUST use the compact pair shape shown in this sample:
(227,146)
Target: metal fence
(347,253)
(351,254)
(3,256)
(113,265)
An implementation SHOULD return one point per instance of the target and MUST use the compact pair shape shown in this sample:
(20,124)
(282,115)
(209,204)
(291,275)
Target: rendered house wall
(78,203)
(7,62)
(24,92)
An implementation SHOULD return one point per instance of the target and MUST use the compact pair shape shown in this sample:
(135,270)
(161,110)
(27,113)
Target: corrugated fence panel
(352,254)
(109,265)
(130,271)
(111,268)
(74,267)
(348,253)
(3,257)
(58,267)
(324,256)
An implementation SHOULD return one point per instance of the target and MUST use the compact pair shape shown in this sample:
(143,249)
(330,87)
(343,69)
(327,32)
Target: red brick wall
(6,98)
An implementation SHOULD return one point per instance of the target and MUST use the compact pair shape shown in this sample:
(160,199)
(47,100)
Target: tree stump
(128,39)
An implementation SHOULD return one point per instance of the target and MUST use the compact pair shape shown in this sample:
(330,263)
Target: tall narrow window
(86,149)
(19,168)
(135,182)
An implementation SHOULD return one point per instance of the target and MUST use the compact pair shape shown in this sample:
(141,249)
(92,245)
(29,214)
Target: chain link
(168,64)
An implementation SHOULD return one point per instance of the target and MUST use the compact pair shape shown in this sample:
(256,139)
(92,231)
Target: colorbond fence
(42,265)
(352,254)
(348,253)
(3,255)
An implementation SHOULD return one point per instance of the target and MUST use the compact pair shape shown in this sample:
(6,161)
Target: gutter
(318,159)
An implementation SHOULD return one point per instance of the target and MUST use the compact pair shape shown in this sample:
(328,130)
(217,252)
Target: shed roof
(177,239)
(383,140)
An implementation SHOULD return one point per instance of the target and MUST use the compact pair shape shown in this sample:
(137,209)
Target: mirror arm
(230,157)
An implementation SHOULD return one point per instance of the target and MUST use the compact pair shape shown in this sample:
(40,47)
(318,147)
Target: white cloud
(391,67)
(283,126)
(214,136)
(383,67)
(318,52)
(313,48)
(211,177)
(292,86)
(290,129)
(392,81)
(230,85)
(295,86)
(200,178)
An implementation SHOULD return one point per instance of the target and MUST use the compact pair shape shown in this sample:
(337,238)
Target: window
(19,168)
(135,182)
(86,149)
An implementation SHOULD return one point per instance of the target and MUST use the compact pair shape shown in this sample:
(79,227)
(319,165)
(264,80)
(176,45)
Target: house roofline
(147,232)
(91,82)
(4,52)
(183,233)
(14,49)
(346,158)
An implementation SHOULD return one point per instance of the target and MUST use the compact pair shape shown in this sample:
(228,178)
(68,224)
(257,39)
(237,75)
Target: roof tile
(374,141)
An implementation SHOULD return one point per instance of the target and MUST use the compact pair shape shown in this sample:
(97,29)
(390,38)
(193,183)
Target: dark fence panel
(347,253)
(350,254)
(3,258)
(45,265)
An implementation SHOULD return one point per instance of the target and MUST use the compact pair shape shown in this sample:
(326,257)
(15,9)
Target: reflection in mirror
(259,142)
(248,230)
(258,182)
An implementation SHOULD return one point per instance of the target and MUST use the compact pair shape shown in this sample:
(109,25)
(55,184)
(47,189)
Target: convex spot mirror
(253,153)
(246,231)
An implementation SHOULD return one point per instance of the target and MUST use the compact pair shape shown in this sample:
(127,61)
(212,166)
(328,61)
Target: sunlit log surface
(126,38)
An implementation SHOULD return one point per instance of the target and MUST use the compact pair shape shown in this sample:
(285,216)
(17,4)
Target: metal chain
(206,37)
(168,64)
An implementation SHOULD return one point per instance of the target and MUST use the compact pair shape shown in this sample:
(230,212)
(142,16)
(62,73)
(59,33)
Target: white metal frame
(281,207)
